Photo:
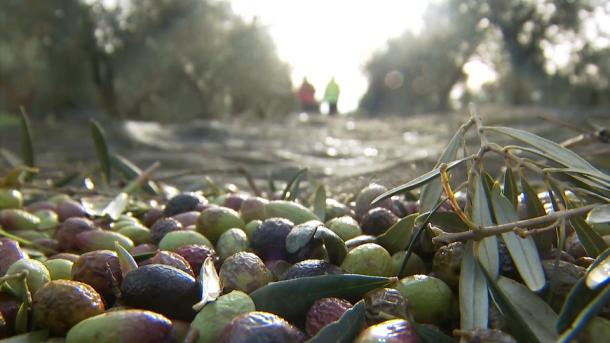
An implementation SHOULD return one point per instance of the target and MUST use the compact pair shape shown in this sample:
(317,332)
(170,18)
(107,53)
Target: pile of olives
(62,279)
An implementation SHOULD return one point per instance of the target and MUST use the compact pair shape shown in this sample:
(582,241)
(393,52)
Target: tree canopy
(518,38)
(142,59)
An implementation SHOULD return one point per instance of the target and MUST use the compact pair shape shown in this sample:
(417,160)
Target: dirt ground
(343,152)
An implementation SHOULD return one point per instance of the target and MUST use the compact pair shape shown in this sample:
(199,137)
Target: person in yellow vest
(331,96)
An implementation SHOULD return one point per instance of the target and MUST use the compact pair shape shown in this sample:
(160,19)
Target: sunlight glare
(324,38)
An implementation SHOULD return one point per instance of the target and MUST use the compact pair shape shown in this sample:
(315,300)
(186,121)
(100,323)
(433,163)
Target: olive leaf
(301,235)
(292,187)
(487,248)
(535,208)
(398,236)
(95,205)
(602,179)
(101,149)
(39,249)
(599,219)
(430,334)
(142,178)
(21,320)
(432,191)
(510,190)
(593,243)
(420,180)
(555,194)
(126,261)
(211,285)
(292,298)
(449,222)
(27,146)
(515,321)
(116,206)
(537,314)
(586,315)
(319,202)
(414,238)
(599,275)
(335,246)
(578,298)
(522,250)
(132,171)
(344,330)
(474,301)
(550,149)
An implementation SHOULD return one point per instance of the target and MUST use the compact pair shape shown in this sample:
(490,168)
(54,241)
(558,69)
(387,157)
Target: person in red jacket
(306,95)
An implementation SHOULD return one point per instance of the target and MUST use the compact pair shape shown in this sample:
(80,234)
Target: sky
(320,39)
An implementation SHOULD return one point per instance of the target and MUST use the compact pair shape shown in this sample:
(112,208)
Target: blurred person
(331,96)
(306,95)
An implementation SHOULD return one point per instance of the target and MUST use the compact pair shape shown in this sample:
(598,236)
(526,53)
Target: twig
(250,180)
(69,191)
(499,229)
(239,170)
(525,233)
(476,116)
(562,123)
(451,196)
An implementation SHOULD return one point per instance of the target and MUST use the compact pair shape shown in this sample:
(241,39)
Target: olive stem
(4,233)
(21,275)
(451,196)
(499,229)
(192,335)
(143,177)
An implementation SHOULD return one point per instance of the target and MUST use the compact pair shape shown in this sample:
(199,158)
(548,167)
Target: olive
(69,229)
(377,220)
(215,220)
(184,203)
(10,198)
(269,239)
(162,289)
(196,254)
(244,271)
(381,302)
(253,208)
(69,209)
(37,275)
(368,259)
(260,327)
(391,331)
(323,312)
(446,263)
(101,270)
(122,326)
(10,252)
(162,227)
(61,304)
(311,268)
(345,227)
(430,299)
(171,259)
(234,201)
(230,242)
